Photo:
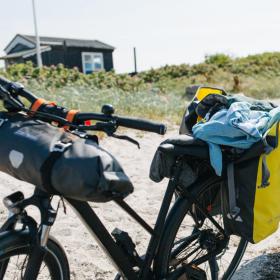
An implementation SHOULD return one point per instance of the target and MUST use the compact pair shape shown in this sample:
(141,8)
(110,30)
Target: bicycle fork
(39,235)
(39,249)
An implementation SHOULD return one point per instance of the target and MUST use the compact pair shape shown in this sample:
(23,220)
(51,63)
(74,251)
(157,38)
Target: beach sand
(87,260)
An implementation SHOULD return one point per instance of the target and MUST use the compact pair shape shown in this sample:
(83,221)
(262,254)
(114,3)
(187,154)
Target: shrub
(218,59)
(152,93)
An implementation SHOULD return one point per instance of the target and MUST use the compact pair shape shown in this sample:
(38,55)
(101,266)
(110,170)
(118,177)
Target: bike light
(87,123)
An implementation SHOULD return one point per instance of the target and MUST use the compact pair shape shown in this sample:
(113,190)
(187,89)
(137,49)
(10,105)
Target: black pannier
(59,162)
(251,188)
(251,194)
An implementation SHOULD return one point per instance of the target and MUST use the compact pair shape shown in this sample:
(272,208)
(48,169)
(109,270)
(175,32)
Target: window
(92,62)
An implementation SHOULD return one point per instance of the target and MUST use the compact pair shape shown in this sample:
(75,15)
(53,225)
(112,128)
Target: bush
(219,59)
(153,93)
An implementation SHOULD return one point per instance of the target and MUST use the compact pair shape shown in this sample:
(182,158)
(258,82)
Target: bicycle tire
(55,260)
(174,221)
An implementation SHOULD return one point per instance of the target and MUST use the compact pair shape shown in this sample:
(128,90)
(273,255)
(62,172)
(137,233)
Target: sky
(163,31)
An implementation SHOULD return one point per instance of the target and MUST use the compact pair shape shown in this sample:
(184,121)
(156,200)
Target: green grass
(147,104)
(157,93)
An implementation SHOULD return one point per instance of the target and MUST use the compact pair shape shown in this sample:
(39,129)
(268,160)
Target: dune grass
(157,93)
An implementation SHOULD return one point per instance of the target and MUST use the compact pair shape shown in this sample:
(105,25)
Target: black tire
(55,265)
(175,220)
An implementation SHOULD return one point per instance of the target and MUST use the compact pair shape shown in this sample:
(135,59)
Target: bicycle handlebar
(17,90)
(142,125)
(128,122)
(4,82)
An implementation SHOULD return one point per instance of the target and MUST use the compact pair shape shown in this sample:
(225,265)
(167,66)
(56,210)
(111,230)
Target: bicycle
(188,240)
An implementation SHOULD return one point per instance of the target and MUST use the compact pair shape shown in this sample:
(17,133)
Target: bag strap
(38,103)
(70,117)
(47,167)
(265,173)
(234,210)
(268,149)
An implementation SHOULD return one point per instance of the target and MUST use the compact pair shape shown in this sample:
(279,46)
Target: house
(87,55)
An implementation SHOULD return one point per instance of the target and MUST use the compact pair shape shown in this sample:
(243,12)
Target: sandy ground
(87,261)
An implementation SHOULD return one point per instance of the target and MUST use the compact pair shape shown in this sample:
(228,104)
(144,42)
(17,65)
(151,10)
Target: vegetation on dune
(155,93)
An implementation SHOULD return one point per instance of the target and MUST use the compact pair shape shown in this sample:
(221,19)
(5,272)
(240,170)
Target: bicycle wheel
(13,263)
(184,242)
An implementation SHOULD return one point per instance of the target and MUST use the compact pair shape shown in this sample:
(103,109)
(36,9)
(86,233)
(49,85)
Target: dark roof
(69,42)
(26,53)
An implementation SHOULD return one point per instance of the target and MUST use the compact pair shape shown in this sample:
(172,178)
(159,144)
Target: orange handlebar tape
(37,104)
(71,115)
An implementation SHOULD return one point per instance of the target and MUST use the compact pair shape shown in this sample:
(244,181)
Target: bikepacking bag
(209,100)
(200,105)
(59,162)
(162,163)
(251,195)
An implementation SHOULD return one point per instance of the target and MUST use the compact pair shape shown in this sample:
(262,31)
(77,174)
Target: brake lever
(126,138)
(9,99)
(4,93)
(110,129)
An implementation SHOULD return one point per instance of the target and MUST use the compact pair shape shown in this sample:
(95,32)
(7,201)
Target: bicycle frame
(118,256)
(87,215)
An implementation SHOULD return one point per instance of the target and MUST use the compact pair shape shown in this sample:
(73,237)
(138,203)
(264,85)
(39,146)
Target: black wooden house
(87,55)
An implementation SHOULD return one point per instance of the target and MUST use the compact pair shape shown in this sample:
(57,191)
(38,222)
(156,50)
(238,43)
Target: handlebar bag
(59,162)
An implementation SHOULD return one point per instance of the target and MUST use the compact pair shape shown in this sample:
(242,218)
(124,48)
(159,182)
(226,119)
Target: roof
(25,53)
(51,41)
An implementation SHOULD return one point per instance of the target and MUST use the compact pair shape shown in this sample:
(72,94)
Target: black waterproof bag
(59,162)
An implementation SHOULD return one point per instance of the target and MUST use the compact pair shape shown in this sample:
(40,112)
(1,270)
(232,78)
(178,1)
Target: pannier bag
(162,163)
(209,100)
(251,196)
(59,162)
(195,110)
(251,191)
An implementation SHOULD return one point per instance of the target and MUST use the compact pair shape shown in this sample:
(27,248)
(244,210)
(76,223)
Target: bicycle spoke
(183,245)
(17,267)
(197,241)
(186,250)
(42,268)
(24,263)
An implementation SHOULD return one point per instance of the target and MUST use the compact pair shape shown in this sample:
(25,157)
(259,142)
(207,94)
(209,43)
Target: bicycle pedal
(193,273)
(125,242)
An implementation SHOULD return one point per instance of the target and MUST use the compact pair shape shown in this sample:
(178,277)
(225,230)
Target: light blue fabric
(237,127)
(275,117)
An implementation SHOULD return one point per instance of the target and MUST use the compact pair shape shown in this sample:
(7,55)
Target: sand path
(86,259)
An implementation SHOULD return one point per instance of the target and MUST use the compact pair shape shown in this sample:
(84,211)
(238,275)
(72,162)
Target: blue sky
(164,32)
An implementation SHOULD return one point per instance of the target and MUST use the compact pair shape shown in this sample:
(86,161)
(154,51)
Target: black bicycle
(188,240)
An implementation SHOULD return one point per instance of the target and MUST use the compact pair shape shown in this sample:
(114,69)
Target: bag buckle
(61,147)
(234,214)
